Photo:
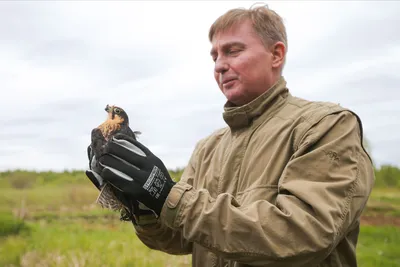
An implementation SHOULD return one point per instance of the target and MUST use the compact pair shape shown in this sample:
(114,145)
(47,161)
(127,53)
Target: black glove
(134,211)
(132,168)
(91,173)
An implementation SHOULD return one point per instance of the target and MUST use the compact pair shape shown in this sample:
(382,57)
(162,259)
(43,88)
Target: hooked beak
(107,108)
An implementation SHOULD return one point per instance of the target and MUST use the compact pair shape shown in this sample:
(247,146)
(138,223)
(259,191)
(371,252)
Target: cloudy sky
(62,62)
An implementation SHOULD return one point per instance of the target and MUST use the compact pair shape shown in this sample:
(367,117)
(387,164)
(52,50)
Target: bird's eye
(117,110)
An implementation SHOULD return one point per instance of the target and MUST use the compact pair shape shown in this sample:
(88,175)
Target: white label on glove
(155,183)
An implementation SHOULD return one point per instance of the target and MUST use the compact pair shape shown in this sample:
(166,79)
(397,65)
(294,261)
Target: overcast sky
(62,62)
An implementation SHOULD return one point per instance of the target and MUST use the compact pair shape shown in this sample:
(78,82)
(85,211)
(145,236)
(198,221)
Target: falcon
(109,197)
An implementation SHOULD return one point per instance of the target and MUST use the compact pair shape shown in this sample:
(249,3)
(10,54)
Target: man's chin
(236,101)
(235,97)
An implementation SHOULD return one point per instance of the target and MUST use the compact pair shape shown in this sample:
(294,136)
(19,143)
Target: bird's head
(117,114)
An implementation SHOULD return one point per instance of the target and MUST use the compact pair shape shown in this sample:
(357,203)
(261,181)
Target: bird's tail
(108,200)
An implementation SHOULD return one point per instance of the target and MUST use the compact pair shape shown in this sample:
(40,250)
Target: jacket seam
(257,187)
(349,196)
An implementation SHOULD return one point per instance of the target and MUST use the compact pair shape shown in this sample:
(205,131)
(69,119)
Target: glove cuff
(164,195)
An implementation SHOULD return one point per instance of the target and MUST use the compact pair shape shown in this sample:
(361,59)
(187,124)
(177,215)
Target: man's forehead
(237,34)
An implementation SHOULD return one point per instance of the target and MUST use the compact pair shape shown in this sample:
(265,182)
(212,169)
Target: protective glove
(134,169)
(93,176)
(134,211)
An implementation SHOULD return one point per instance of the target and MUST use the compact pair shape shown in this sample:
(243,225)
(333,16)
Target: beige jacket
(283,185)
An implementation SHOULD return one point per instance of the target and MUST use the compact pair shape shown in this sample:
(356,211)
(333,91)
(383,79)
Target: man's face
(244,68)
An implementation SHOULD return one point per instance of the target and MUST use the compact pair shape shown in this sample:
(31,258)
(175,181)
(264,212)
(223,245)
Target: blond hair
(267,24)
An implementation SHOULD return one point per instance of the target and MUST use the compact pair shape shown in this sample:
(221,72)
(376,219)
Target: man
(284,184)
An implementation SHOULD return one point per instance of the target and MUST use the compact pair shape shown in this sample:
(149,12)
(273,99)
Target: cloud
(355,35)
(62,62)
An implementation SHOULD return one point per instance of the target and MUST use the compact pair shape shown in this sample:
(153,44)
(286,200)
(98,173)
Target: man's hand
(93,176)
(141,214)
(135,170)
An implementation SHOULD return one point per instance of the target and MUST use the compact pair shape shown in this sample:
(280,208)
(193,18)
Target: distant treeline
(386,176)
(21,179)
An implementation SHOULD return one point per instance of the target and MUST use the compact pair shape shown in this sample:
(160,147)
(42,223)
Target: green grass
(115,244)
(384,201)
(379,246)
(82,244)
(62,226)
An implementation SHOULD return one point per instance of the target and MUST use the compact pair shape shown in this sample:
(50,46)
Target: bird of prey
(117,122)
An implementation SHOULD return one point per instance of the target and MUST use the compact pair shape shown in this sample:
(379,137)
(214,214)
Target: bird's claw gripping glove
(135,170)
(134,211)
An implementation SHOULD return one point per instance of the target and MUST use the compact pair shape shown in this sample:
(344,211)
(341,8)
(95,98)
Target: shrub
(9,225)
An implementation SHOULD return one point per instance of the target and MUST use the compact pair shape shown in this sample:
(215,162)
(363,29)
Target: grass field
(62,227)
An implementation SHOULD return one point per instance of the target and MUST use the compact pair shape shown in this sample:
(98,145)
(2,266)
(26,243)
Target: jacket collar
(242,116)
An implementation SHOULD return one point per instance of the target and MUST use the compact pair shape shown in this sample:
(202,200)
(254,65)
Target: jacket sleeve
(322,193)
(158,236)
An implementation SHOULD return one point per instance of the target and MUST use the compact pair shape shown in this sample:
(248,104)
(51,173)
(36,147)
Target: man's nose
(221,65)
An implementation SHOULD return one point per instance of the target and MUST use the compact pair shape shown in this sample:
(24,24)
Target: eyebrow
(227,45)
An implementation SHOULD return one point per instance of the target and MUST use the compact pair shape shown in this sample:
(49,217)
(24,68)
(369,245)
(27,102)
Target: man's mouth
(225,81)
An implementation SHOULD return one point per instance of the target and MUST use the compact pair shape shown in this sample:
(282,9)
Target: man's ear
(278,51)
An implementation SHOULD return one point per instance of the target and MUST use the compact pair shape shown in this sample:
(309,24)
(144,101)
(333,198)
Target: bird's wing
(97,141)
(131,133)
(97,144)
